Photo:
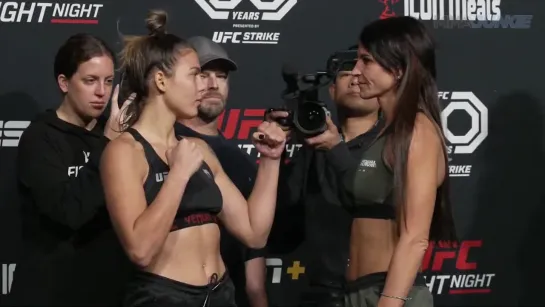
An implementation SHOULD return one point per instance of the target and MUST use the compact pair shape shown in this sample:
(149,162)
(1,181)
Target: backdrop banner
(490,62)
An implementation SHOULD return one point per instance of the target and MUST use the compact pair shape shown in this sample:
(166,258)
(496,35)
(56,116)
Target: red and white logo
(442,257)
(388,11)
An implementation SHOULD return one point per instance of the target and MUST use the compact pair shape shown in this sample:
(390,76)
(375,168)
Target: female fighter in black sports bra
(164,195)
(397,190)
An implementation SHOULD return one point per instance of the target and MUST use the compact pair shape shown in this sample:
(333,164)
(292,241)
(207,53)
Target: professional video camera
(307,114)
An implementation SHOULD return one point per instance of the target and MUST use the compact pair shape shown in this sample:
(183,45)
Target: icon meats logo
(465,134)
(387,12)
(239,124)
(477,14)
(467,279)
(39,12)
(247,31)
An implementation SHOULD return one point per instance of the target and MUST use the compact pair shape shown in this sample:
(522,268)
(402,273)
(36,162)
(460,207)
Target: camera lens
(311,116)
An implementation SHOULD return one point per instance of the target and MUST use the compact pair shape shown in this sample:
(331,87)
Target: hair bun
(156,22)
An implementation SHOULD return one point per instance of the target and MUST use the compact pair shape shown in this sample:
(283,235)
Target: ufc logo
(250,119)
(443,251)
(475,108)
(224,37)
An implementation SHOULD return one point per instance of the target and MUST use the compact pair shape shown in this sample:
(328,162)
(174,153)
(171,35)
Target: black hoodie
(68,242)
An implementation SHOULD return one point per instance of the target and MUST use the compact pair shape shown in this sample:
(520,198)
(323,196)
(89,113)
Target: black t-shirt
(242,171)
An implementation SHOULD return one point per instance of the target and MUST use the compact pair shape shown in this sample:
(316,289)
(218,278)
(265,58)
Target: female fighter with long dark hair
(397,191)
(164,195)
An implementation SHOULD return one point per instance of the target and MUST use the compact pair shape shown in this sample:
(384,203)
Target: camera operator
(308,193)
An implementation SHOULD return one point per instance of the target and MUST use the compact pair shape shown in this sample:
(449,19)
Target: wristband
(396,297)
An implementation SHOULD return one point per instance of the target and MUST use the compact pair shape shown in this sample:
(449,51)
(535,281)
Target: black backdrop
(490,72)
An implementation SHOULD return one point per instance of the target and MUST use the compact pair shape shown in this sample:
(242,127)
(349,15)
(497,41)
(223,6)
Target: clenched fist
(269,140)
(186,157)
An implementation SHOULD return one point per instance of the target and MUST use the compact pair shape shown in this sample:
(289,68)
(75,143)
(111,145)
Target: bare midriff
(372,244)
(190,255)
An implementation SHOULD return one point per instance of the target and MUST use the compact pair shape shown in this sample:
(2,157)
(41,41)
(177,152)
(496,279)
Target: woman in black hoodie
(68,248)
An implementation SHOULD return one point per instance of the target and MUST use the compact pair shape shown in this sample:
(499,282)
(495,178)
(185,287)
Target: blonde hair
(143,54)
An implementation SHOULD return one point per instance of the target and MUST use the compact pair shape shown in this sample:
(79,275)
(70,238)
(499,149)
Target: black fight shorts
(151,290)
(365,292)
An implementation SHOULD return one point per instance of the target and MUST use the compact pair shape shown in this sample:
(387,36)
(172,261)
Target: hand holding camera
(304,113)
(325,140)
(328,139)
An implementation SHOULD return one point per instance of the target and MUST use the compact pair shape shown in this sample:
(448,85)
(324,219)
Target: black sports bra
(202,199)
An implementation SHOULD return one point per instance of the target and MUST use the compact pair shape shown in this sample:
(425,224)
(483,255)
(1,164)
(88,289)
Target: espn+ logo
(6,271)
(275,268)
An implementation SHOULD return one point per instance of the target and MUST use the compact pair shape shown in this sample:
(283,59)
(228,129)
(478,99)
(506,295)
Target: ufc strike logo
(216,9)
(245,126)
(11,131)
(467,101)
(442,251)
(276,264)
(246,37)
(7,277)
(224,37)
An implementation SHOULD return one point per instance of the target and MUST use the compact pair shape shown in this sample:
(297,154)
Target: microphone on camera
(291,78)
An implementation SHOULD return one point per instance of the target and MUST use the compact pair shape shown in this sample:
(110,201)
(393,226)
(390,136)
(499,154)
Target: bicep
(122,171)
(422,179)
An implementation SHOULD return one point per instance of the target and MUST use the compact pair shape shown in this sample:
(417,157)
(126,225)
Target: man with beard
(246,266)
(309,198)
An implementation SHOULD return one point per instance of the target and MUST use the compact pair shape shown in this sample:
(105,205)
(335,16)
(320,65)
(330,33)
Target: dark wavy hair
(403,43)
